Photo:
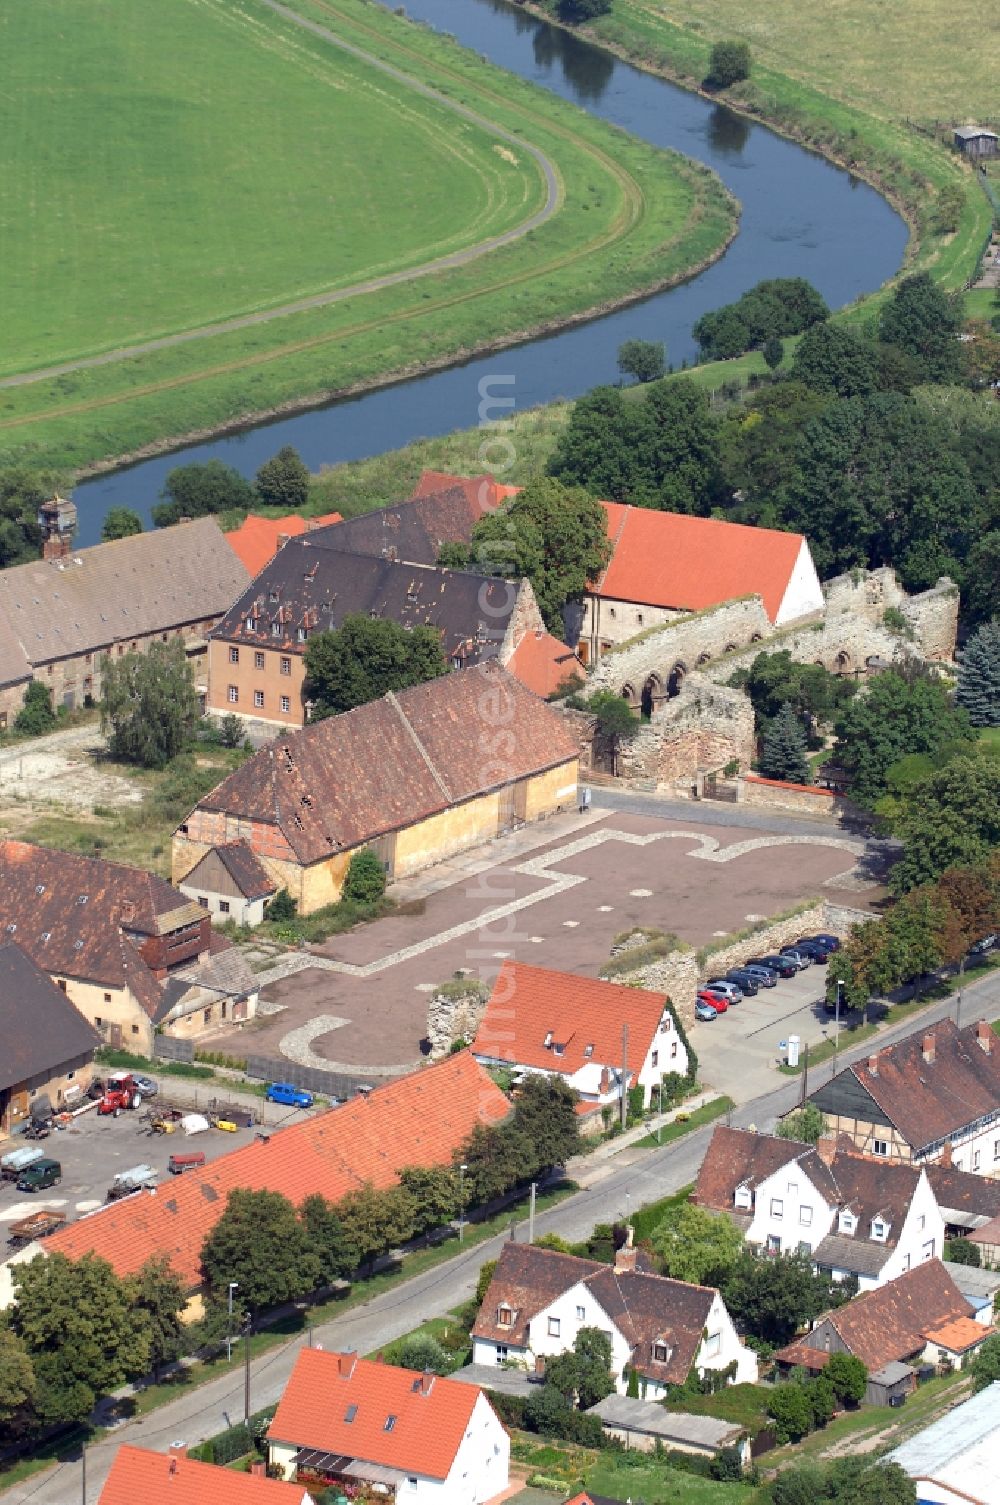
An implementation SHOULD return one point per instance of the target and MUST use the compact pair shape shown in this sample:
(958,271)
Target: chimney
(984,1036)
(178,1450)
(626,1256)
(259,1468)
(346,1363)
(929,1048)
(283,539)
(57,521)
(945,1158)
(605,1081)
(826,1148)
(873,1064)
(426,1382)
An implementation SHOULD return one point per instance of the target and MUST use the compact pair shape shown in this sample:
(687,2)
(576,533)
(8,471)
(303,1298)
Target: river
(800,217)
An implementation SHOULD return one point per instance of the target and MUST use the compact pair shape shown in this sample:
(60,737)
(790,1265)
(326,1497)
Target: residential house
(48,1046)
(131,953)
(987,1240)
(417,1120)
(977,141)
(256,655)
(417,776)
(141,1477)
(443,509)
(933,1096)
(967,1200)
(601,1037)
(416,1437)
(64,616)
(917,1318)
(855,1217)
(257,539)
(954,1460)
(539,1300)
(231,883)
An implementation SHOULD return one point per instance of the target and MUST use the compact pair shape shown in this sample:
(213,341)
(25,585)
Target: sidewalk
(596,1161)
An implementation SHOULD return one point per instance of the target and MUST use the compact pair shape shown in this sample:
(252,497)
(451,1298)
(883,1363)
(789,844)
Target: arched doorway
(652,694)
(676,679)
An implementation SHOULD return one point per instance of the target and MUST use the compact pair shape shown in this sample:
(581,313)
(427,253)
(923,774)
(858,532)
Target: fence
(310,1078)
(166,1048)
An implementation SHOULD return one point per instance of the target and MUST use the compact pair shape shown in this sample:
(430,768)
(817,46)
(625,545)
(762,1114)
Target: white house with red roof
(664,564)
(416,1436)
(600,1037)
(141,1477)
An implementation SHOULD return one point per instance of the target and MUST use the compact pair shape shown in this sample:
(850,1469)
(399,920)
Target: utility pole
(83,1474)
(624,1101)
(805,1074)
(246,1374)
(234,1285)
(531,1214)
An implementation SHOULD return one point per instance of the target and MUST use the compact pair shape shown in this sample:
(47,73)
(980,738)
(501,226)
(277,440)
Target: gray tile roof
(669,1426)
(39,1027)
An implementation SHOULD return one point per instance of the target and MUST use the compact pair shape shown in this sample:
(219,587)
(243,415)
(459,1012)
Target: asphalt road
(610,1188)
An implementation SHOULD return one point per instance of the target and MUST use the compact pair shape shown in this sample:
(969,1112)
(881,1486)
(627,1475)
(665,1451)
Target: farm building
(976,141)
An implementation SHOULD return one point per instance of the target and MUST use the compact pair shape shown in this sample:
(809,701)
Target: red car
(719,1004)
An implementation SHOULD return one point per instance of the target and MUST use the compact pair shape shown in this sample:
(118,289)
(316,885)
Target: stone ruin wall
(704,726)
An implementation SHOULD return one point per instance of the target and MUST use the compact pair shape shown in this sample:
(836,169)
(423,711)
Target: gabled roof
(257,539)
(671,560)
(739,1157)
(150,582)
(580,1017)
(141,1477)
(39,1027)
(242,865)
(417,1120)
(86,917)
(308,588)
(927,1100)
(430,1414)
(483,492)
(542,663)
(964,1197)
(891,1322)
(443,509)
(342,782)
(646,1308)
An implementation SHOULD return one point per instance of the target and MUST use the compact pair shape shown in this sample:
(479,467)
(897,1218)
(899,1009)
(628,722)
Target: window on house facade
(62,984)
(848,1222)
(203,901)
(233,695)
(879,1230)
(553,1327)
(581,1314)
(135,1028)
(880,1147)
(777,1207)
(996,1149)
(286,666)
(98,1021)
(793,1188)
(505,1316)
(805,1216)
(773,1243)
(655,1058)
(223,906)
(207,1016)
(804,1246)
(258,661)
(927,1252)
(107,998)
(906,1262)
(713,1344)
(673,1050)
(501,1353)
(975,1160)
(286,704)
(258,699)
(742,1197)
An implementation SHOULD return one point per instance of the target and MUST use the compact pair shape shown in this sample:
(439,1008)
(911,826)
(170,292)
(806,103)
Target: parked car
(146,1085)
(731,991)
(39,1174)
(819,953)
(783,965)
(767,977)
(719,1004)
(189,1160)
(801,959)
(288,1096)
(831,942)
(705,1011)
(744,980)
(985,946)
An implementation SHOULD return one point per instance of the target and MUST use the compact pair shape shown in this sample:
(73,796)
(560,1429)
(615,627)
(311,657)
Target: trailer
(16,1161)
(35,1226)
(126,1183)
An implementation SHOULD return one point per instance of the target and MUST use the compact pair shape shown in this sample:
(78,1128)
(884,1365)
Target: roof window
(880,1229)
(848,1222)
(588,1051)
(390,1422)
(11,928)
(39,888)
(350,1413)
(81,898)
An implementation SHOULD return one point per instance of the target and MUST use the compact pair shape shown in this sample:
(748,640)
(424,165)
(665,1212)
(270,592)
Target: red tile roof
(542,663)
(255,541)
(583,1016)
(671,560)
(959,1334)
(891,1321)
(141,1477)
(483,492)
(417,1120)
(432,1414)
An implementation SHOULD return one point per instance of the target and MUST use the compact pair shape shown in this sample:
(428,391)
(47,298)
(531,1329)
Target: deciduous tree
(804,1125)
(377,1219)
(329,1240)
(435,1193)
(697,1245)
(199,490)
(832,359)
(120,522)
(985,1366)
(365,880)
(158,1298)
(950,819)
(36,716)
(545,1117)
(363,659)
(896,715)
(22,491)
(148,704)
(848,1376)
(585,1373)
(774,1296)
(729,64)
(283,481)
(260,1242)
(925,321)
(645,360)
(18,1385)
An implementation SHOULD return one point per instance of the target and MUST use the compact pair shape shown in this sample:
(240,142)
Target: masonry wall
(72,679)
(271,675)
(526,617)
(109,1009)
(688,642)
(705,726)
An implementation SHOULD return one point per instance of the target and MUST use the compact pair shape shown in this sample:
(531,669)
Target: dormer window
(251,624)
(588,1051)
(505,1316)
(547,1042)
(276,629)
(300,634)
(558,1049)
(742,1197)
(848,1222)
(661,1352)
(880,1230)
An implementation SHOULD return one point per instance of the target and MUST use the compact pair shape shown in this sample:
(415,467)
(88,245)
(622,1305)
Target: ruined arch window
(652,692)
(675,680)
(703,658)
(757,637)
(732,647)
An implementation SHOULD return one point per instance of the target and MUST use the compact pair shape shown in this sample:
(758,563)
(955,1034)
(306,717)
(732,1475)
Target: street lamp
(234,1285)
(836,1029)
(659,1120)
(461,1200)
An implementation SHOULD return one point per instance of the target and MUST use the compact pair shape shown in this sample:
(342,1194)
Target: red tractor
(120,1092)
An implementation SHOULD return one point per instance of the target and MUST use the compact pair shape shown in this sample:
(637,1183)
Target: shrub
(729,64)
(365,881)
(36,715)
(282,907)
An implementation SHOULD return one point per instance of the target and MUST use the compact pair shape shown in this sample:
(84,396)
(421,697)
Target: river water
(800,217)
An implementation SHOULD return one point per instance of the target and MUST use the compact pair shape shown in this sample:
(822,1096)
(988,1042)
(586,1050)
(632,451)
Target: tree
(22,491)
(202,489)
(832,359)
(985,1366)
(365,880)
(981,584)
(856,1483)
(363,659)
(775,679)
(18,1385)
(149,705)
(584,1375)
(729,64)
(555,535)
(805,1125)
(545,1410)
(231,730)
(575,12)
(120,522)
(377,1220)
(496,1159)
(487,1270)
(773,352)
(76,1320)
(895,716)
(925,321)
(158,1297)
(283,481)
(791,1412)
(978,690)
(435,1193)
(776,307)
(329,1240)
(848,1376)
(950,819)
(421,1352)
(783,749)
(802,1484)
(545,1117)
(36,716)
(646,360)
(282,907)
(454,556)
(696,1245)
(260,1242)
(961,1251)
(774,1296)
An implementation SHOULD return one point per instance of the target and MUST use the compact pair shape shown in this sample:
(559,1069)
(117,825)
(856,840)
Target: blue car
(289,1096)
(705,1012)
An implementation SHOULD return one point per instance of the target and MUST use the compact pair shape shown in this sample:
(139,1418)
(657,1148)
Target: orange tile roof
(141,1477)
(430,1423)
(483,491)
(585,1017)
(255,541)
(959,1335)
(671,560)
(542,663)
(417,1120)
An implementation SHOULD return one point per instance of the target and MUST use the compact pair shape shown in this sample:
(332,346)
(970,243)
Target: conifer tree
(979,676)
(783,749)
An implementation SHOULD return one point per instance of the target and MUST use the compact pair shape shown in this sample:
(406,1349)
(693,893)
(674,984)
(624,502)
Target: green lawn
(629,217)
(681,1126)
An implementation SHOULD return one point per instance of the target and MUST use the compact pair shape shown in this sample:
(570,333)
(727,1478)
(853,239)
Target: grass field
(628,218)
